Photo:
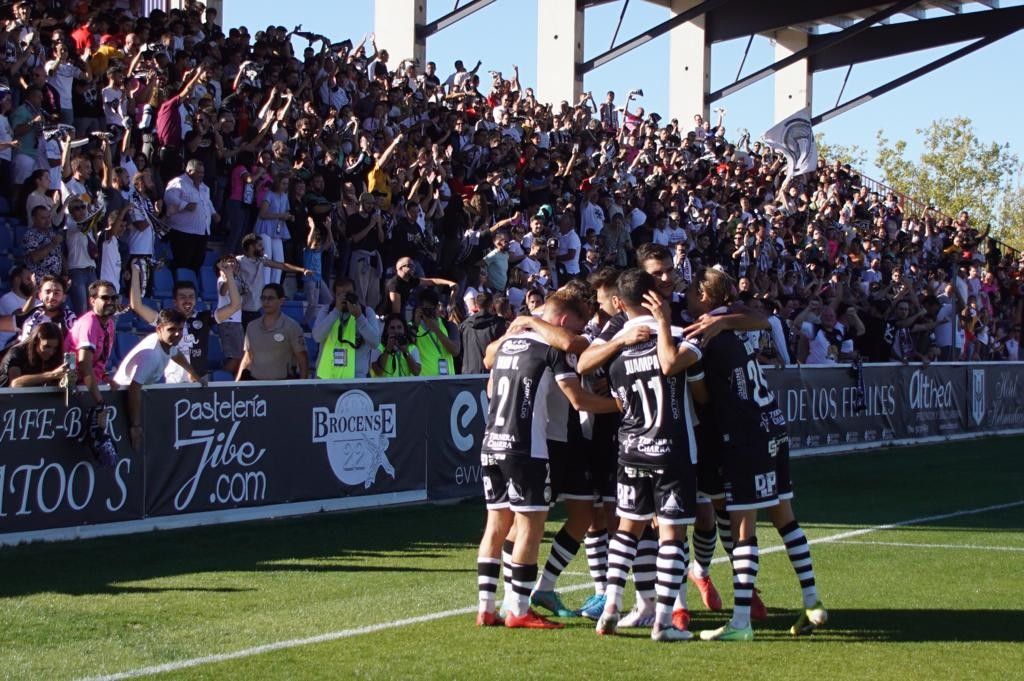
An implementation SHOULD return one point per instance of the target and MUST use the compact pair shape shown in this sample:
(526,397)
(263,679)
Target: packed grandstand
(409,219)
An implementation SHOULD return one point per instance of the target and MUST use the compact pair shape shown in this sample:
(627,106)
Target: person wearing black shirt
(37,361)
(400,288)
(753,457)
(657,454)
(514,455)
(366,234)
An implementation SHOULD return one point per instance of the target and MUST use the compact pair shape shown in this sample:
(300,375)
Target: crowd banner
(48,476)
(241,451)
(458,410)
(257,444)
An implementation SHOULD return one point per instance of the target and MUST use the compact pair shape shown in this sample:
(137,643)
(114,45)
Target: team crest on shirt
(357,434)
(514,346)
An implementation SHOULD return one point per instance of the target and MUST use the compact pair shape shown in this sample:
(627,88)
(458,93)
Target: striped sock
(596,546)
(524,578)
(645,568)
(724,529)
(506,572)
(681,596)
(703,550)
(563,549)
(671,574)
(800,557)
(744,576)
(621,552)
(487,570)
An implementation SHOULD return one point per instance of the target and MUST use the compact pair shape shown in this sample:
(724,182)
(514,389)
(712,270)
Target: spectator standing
(22,290)
(478,331)
(436,338)
(395,356)
(271,225)
(189,213)
(92,337)
(273,343)
(43,245)
(82,253)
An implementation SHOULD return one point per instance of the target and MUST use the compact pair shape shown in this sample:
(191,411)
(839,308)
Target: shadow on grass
(397,540)
(869,626)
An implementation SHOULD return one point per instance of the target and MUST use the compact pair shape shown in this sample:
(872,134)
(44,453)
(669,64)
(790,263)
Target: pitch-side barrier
(244,451)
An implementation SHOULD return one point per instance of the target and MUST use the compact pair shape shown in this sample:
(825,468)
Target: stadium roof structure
(809,36)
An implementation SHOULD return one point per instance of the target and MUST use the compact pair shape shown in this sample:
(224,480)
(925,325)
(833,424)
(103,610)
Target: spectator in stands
(51,307)
(401,288)
(27,121)
(396,355)
(43,245)
(478,331)
(436,338)
(190,213)
(92,338)
(82,252)
(149,361)
(825,342)
(36,361)
(274,348)
(272,225)
(193,339)
(347,332)
(251,265)
(23,289)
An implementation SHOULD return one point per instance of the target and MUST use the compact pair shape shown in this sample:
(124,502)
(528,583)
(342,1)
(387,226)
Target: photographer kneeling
(347,333)
(395,356)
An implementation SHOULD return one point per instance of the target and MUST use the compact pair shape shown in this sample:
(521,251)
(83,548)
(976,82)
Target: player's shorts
(749,473)
(604,459)
(518,483)
(570,471)
(709,467)
(644,493)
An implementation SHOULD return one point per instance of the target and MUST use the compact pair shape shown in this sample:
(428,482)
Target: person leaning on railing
(36,361)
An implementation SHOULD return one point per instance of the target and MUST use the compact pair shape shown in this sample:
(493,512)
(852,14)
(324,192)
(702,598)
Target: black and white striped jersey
(657,421)
(524,373)
(743,406)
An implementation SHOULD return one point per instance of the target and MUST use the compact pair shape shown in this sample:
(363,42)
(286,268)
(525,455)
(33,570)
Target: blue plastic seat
(293,309)
(208,284)
(214,353)
(163,283)
(6,239)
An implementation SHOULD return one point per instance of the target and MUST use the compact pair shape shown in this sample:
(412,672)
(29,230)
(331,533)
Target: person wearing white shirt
(61,74)
(189,213)
(591,213)
(22,288)
(569,246)
(145,364)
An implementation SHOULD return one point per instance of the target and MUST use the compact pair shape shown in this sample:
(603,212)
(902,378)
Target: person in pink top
(91,337)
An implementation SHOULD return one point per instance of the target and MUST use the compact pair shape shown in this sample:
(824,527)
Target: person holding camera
(395,356)
(437,339)
(347,333)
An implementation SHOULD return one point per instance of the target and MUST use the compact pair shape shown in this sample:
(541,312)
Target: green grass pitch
(939,598)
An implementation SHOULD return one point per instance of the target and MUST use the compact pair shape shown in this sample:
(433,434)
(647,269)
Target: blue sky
(985,86)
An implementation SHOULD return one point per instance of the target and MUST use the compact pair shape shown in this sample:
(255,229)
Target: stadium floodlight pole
(827,42)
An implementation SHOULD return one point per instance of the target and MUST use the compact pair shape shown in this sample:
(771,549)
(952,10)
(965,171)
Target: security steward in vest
(347,333)
(436,339)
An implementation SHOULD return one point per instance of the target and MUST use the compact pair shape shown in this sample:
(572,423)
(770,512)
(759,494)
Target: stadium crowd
(159,161)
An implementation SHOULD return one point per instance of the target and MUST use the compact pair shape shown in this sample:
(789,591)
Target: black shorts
(644,493)
(518,483)
(604,458)
(749,473)
(709,465)
(570,471)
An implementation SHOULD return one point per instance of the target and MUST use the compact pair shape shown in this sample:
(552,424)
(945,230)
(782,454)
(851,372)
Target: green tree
(957,171)
(1011,218)
(844,153)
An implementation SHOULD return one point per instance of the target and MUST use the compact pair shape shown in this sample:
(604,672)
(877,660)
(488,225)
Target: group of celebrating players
(644,416)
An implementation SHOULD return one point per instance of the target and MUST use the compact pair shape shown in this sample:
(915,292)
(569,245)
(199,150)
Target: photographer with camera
(436,338)
(347,333)
(395,356)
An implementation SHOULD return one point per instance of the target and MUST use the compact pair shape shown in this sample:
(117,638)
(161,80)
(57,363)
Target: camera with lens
(401,339)
(351,298)
(552,244)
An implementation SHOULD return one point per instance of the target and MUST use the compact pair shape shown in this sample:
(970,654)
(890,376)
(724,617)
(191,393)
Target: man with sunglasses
(399,289)
(347,333)
(92,337)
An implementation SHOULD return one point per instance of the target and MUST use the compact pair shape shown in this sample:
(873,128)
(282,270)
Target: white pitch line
(394,624)
(976,547)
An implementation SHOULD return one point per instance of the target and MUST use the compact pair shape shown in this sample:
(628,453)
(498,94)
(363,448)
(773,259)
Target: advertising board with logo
(230,447)
(49,477)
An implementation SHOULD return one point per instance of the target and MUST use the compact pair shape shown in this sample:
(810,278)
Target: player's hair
(716,285)
(650,251)
(169,315)
(568,300)
(586,294)
(634,284)
(606,277)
